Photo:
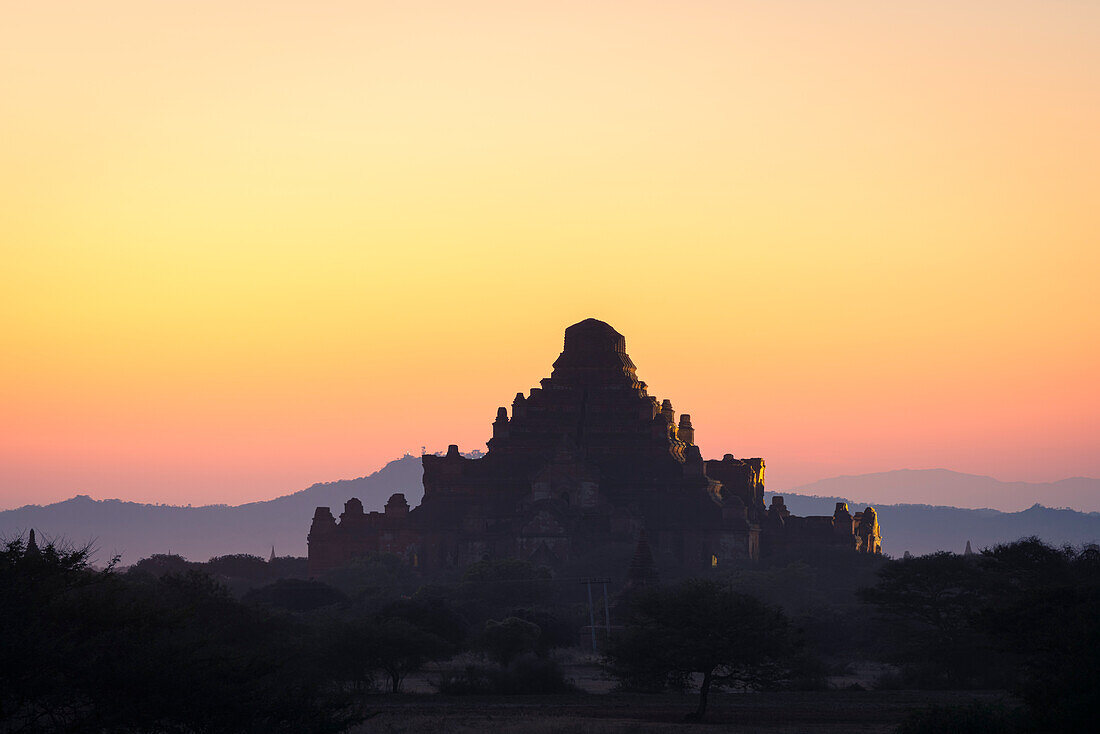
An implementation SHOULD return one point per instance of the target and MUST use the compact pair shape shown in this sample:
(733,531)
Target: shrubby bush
(528,674)
(295,595)
(889,680)
(434,614)
(375,579)
(506,640)
(972,718)
(402,648)
(557,627)
(161,564)
(239,565)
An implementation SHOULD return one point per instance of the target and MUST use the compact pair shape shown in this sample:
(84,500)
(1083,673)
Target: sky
(249,246)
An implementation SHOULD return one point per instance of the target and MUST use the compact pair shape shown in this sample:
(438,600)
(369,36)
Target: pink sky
(252,246)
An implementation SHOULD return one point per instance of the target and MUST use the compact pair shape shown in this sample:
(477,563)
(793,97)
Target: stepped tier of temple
(585,462)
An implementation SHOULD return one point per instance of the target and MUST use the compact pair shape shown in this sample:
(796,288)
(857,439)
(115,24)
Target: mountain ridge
(949,488)
(136,530)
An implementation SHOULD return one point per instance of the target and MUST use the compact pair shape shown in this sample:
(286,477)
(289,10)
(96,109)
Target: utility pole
(606,611)
(591,616)
(592,608)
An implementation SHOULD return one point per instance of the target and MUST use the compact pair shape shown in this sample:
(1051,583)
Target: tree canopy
(91,651)
(1021,615)
(701,627)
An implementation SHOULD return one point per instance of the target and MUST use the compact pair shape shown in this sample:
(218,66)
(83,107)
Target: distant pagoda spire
(32,546)
(272,558)
(969,551)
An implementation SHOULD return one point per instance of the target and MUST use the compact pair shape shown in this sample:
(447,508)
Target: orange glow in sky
(248,246)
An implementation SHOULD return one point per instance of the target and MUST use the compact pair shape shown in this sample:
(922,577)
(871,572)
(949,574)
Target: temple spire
(32,546)
(594,354)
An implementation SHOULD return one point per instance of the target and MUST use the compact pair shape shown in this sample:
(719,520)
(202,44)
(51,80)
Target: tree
(288,567)
(506,640)
(376,576)
(402,648)
(431,614)
(296,595)
(1045,608)
(91,651)
(1026,610)
(35,686)
(239,565)
(161,564)
(557,630)
(351,651)
(703,627)
(930,602)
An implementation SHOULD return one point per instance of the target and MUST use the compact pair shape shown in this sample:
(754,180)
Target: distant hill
(137,530)
(955,489)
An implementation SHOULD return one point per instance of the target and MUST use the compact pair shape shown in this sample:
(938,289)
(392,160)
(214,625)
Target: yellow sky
(249,246)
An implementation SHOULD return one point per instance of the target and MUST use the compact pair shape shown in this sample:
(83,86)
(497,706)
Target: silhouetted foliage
(974,718)
(350,650)
(525,675)
(288,567)
(395,642)
(506,640)
(557,627)
(1045,609)
(296,595)
(402,648)
(432,614)
(241,573)
(91,651)
(1024,614)
(160,564)
(240,565)
(703,627)
(931,602)
(375,578)
(167,648)
(817,592)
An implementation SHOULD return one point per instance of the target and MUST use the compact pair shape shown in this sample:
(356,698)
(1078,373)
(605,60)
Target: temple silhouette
(587,459)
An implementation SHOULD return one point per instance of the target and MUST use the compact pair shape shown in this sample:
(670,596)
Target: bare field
(824,712)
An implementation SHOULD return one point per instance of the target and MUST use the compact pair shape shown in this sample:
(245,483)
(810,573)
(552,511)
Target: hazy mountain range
(951,488)
(134,530)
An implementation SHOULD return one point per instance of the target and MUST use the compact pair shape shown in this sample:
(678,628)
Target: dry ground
(824,712)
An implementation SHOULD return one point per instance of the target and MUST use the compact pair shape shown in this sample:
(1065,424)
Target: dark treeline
(239,573)
(166,646)
(1022,616)
(239,644)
